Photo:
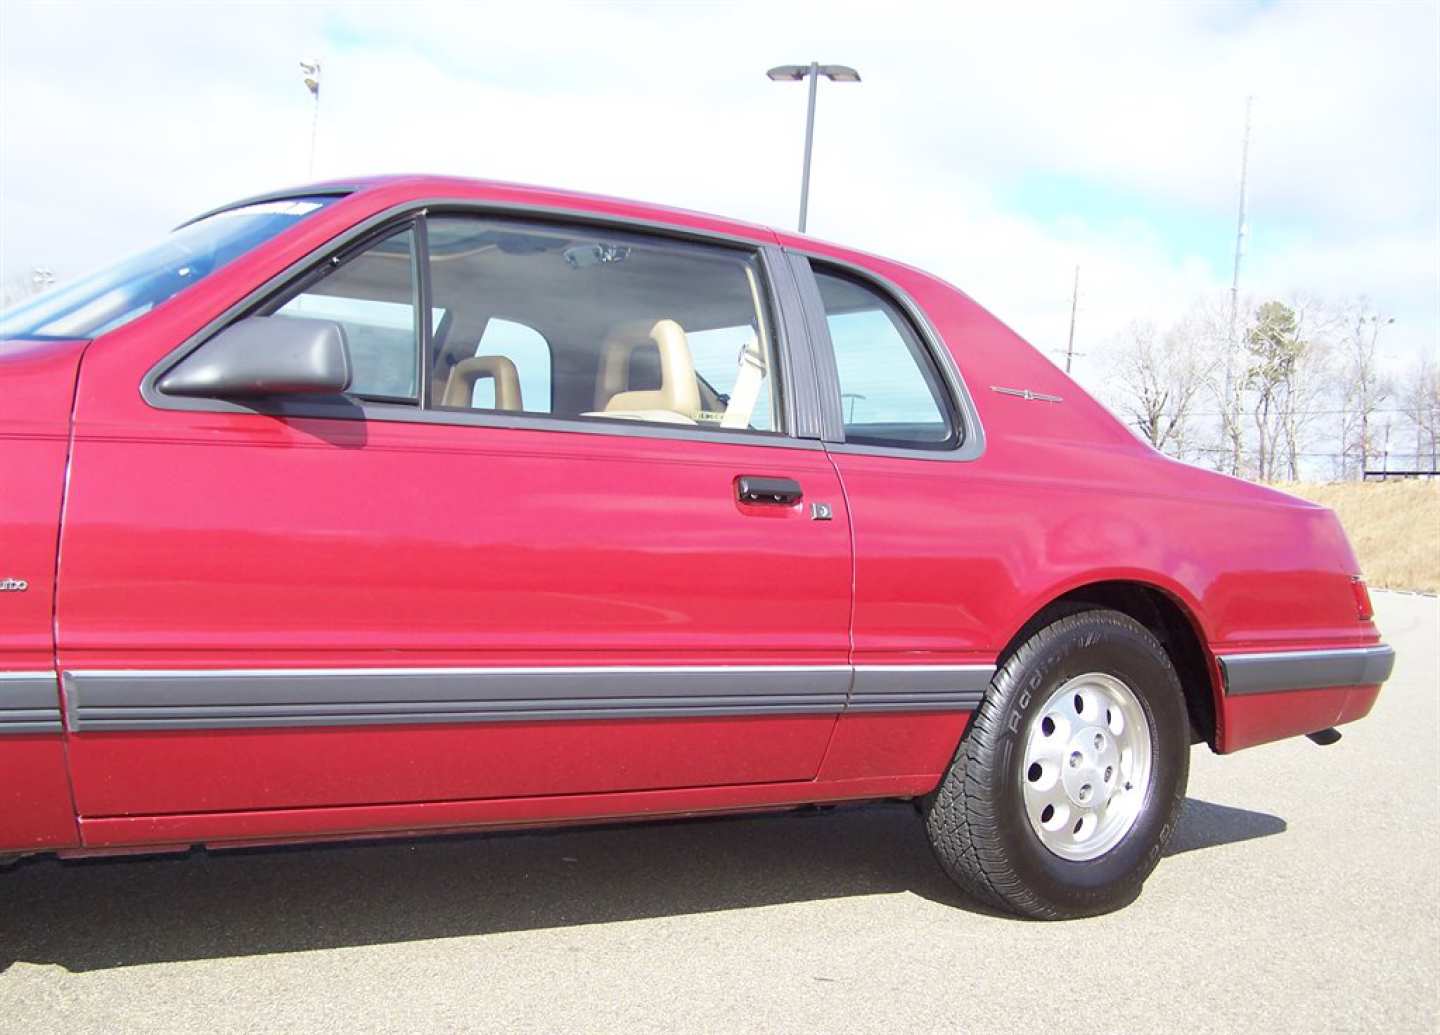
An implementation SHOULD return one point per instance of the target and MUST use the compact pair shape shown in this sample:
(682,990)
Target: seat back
(679,392)
(460,386)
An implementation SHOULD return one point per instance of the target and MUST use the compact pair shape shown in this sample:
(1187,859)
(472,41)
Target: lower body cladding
(1275,694)
(166,756)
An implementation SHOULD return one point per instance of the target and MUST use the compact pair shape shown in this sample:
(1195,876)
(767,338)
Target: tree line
(1293,389)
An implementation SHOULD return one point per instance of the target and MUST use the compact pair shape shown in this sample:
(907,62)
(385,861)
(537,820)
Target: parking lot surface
(1300,893)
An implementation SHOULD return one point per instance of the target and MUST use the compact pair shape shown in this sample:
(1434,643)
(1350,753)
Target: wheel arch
(1170,617)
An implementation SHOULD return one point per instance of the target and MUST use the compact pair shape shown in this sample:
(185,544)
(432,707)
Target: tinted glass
(890,391)
(633,329)
(373,297)
(132,287)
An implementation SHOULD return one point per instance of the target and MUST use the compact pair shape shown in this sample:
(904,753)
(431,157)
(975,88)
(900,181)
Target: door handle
(782,492)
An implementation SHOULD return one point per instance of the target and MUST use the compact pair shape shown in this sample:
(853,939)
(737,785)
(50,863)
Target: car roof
(421,187)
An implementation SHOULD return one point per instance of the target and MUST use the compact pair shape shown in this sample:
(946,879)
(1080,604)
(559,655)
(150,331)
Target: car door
(900,429)
(465,580)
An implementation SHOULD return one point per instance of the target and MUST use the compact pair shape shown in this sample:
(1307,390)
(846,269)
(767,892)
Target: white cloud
(117,121)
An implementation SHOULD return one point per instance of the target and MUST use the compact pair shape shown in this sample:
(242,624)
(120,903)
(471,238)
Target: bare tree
(1159,379)
(1209,322)
(1310,381)
(1367,388)
(1420,401)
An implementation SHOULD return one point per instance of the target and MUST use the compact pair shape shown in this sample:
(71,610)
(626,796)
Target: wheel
(1067,785)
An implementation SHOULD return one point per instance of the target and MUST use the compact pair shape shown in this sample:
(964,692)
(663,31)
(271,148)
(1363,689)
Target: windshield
(132,287)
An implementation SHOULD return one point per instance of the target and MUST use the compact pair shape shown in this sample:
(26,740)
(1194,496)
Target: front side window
(373,297)
(631,329)
(132,287)
(513,371)
(890,391)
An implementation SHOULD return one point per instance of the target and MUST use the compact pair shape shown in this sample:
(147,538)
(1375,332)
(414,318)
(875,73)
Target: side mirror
(265,355)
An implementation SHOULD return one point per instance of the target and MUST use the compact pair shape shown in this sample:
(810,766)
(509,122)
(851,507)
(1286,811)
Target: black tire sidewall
(1081,644)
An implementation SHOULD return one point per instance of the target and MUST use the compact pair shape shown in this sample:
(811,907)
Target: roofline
(328,190)
(426,183)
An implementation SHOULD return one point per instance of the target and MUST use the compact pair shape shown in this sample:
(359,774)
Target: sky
(998,146)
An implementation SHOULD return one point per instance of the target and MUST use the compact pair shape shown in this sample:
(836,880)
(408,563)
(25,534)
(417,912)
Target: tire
(985,821)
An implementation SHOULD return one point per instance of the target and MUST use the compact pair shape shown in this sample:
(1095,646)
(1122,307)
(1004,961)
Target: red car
(422,504)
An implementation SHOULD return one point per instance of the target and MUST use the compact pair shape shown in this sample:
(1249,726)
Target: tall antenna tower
(1232,407)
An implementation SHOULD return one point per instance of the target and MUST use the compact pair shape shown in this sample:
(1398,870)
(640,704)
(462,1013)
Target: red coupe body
(235,623)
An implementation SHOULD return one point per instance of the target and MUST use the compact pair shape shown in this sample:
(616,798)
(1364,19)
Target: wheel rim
(1087,765)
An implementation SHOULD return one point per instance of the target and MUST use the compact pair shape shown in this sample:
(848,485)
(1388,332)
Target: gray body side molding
(1306,670)
(919,688)
(198,699)
(29,702)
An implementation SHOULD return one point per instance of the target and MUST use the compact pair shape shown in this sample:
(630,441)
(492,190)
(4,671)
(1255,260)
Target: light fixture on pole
(310,70)
(813,71)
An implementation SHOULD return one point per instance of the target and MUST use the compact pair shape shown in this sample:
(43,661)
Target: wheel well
(1166,620)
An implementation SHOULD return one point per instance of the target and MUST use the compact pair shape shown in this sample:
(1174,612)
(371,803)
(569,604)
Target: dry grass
(1394,527)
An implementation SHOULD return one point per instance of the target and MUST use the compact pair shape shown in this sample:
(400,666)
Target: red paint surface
(876,744)
(237,540)
(1253,719)
(226,770)
(39,384)
(35,809)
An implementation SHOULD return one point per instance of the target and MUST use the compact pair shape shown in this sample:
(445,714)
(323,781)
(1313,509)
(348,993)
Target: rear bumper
(1281,694)
(1306,669)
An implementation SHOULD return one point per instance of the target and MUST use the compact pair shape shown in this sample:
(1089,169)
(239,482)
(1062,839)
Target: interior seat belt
(746,392)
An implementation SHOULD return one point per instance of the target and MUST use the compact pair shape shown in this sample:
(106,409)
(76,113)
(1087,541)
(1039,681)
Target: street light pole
(310,70)
(812,72)
(809,143)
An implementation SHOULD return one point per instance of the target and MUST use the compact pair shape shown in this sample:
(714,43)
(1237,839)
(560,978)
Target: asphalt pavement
(1301,893)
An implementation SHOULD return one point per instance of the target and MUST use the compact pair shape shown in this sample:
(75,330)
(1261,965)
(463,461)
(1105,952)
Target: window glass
(373,297)
(529,351)
(590,325)
(132,287)
(890,391)
(717,363)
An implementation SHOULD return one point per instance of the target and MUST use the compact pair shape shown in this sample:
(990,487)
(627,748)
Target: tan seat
(677,400)
(460,387)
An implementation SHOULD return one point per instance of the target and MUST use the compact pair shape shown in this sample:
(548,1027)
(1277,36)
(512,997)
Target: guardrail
(1386,475)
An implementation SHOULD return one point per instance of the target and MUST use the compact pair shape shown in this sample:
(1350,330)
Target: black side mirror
(266,355)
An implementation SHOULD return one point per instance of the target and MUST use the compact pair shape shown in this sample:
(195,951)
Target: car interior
(638,330)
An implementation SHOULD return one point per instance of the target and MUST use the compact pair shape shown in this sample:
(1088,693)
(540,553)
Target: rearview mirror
(266,355)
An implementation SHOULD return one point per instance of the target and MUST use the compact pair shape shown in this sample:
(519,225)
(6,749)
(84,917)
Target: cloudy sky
(997,148)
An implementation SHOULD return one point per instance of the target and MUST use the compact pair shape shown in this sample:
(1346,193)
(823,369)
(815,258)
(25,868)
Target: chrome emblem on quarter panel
(13,585)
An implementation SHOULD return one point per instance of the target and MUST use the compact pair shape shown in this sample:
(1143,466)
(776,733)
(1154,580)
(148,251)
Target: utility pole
(1074,304)
(1232,408)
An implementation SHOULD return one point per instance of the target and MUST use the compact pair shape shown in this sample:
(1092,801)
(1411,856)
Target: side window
(585,324)
(527,351)
(890,392)
(373,297)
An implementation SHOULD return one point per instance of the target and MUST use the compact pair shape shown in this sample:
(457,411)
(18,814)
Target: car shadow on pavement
(100,914)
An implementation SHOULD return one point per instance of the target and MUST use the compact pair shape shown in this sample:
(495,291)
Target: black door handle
(778,491)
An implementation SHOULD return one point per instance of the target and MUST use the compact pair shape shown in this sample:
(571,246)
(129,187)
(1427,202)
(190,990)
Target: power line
(1310,413)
